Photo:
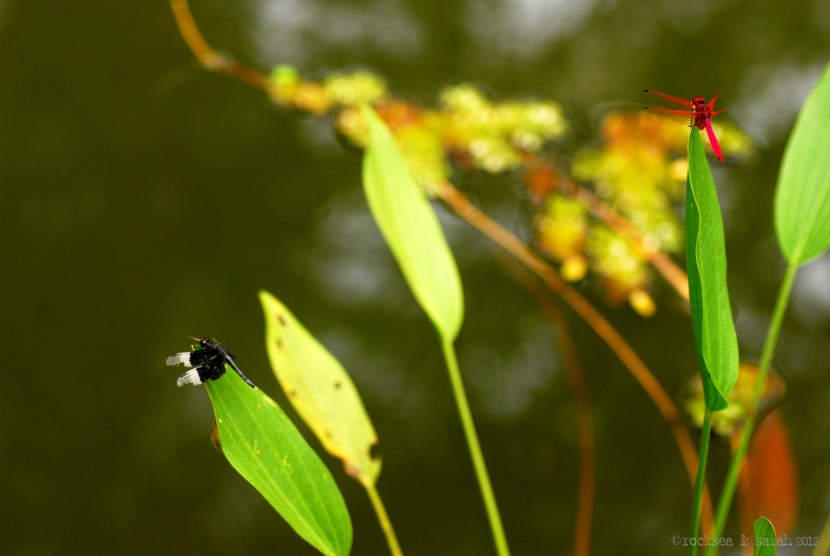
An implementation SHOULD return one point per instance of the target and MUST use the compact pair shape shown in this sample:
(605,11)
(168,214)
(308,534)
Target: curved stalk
(513,245)
(209,58)
(673,274)
(584,417)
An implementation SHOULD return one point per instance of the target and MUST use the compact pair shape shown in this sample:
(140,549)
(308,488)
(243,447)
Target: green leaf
(265,447)
(717,343)
(802,199)
(765,538)
(320,390)
(411,229)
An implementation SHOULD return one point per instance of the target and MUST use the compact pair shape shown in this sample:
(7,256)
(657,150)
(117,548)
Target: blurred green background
(144,199)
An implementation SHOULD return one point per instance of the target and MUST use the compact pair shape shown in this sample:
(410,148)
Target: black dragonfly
(208,362)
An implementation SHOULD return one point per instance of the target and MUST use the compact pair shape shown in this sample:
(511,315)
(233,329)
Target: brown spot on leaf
(280,344)
(214,435)
(351,470)
(337,385)
(281,319)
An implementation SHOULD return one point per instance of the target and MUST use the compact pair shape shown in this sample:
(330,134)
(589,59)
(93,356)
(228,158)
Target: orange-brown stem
(459,203)
(209,58)
(662,262)
(584,417)
(214,61)
(545,178)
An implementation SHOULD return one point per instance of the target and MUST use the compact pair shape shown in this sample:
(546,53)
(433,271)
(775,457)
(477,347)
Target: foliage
(320,390)
(616,230)
(638,170)
(717,343)
(802,199)
(765,540)
(265,447)
(411,230)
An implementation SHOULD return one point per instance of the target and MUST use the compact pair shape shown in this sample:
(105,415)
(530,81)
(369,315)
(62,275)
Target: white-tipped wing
(190,377)
(180,359)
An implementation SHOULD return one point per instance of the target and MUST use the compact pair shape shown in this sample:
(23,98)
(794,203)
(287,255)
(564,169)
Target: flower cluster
(638,169)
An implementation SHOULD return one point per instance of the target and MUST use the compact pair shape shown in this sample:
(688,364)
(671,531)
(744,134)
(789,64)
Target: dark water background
(143,200)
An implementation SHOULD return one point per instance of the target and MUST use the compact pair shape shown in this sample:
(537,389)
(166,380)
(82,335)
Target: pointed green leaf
(802,199)
(320,390)
(411,229)
(265,447)
(717,343)
(765,538)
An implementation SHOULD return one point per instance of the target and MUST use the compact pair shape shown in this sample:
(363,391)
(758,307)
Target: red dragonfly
(697,113)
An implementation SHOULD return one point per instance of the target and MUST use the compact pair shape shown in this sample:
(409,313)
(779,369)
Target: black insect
(208,362)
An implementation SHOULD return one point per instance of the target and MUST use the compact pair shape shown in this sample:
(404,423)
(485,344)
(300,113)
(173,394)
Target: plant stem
(725,501)
(701,480)
(475,449)
(209,58)
(584,416)
(513,245)
(383,518)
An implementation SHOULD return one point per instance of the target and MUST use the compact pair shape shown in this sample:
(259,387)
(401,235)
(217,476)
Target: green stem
(383,518)
(700,480)
(475,449)
(725,501)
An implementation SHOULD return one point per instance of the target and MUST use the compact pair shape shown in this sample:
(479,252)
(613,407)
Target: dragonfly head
(202,341)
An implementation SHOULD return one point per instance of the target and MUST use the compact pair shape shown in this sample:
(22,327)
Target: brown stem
(209,58)
(459,203)
(214,61)
(584,417)
(551,179)
(662,262)
(744,498)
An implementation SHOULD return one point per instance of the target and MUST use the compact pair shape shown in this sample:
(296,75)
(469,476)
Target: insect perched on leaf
(208,362)
(697,113)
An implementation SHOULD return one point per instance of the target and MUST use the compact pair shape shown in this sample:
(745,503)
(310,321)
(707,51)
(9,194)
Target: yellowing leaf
(320,390)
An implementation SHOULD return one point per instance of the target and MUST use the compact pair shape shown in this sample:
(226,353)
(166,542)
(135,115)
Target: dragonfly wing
(191,358)
(211,370)
(682,116)
(669,98)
